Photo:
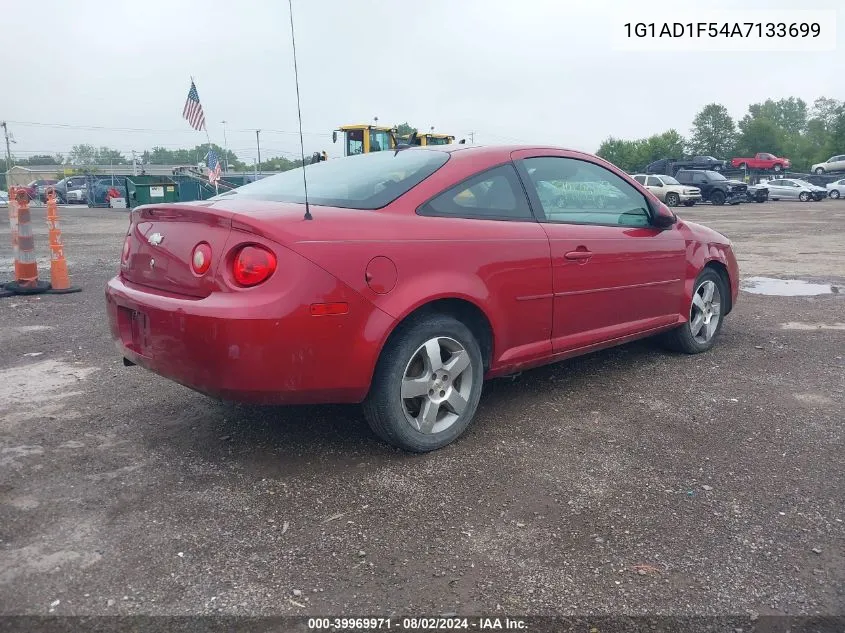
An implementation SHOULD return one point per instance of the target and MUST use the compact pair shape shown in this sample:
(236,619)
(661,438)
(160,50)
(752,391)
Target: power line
(71,126)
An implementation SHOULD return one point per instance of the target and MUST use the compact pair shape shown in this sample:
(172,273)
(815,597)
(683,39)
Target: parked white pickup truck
(669,190)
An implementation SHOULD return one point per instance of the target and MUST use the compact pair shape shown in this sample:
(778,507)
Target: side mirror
(662,216)
(334,136)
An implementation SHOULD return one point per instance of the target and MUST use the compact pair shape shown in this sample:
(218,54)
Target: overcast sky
(509,70)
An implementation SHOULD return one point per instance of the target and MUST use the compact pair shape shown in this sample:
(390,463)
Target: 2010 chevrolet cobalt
(417,275)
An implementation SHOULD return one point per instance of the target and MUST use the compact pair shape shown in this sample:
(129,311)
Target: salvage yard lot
(630,480)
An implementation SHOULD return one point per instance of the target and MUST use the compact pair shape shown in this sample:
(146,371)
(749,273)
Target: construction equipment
(429,139)
(363,139)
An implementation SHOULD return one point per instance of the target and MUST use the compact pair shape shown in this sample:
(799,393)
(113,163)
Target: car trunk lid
(162,241)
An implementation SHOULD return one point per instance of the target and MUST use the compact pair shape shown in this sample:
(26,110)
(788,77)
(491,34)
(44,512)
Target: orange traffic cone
(59,279)
(13,225)
(26,267)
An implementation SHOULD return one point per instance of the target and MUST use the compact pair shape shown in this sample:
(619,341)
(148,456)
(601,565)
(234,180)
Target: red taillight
(253,264)
(126,246)
(201,258)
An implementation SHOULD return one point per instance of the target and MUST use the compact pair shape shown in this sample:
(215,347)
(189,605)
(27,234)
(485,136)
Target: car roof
(489,151)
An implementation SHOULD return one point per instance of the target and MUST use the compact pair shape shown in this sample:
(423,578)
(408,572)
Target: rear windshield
(365,181)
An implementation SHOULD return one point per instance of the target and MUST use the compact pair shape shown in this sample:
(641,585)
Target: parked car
(662,166)
(4,199)
(762,160)
(715,188)
(834,163)
(77,196)
(29,190)
(757,193)
(836,189)
(71,183)
(669,190)
(817,192)
(671,165)
(41,188)
(458,273)
(703,162)
(35,188)
(792,189)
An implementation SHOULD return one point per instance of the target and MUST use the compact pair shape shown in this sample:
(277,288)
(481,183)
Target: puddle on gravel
(786,287)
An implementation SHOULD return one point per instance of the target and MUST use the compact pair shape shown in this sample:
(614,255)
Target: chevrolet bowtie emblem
(155,239)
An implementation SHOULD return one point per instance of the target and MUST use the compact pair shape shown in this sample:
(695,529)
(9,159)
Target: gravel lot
(630,480)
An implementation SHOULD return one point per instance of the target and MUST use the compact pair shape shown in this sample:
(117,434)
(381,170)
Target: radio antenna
(299,113)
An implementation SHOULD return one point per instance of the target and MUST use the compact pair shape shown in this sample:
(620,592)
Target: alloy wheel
(436,385)
(705,312)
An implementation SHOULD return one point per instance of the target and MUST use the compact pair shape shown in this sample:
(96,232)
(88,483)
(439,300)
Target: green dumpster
(150,190)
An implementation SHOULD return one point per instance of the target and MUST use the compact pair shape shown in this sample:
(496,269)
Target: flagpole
(208,137)
(204,127)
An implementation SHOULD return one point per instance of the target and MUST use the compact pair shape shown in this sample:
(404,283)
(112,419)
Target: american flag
(213,164)
(193,110)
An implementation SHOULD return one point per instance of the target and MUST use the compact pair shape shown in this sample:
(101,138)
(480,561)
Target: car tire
(409,358)
(741,166)
(696,335)
(689,203)
(834,193)
(672,199)
(804,196)
(717,168)
(718,198)
(777,167)
(760,200)
(819,171)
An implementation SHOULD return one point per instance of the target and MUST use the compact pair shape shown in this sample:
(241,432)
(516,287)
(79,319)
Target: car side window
(654,182)
(640,179)
(573,191)
(495,194)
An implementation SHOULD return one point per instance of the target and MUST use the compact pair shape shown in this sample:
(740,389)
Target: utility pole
(472,137)
(8,153)
(258,145)
(225,148)
(134,164)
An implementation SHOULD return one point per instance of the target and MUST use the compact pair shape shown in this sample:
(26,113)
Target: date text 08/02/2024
(723,29)
(417,624)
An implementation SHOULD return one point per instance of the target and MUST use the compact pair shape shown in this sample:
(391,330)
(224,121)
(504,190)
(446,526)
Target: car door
(777,189)
(613,273)
(486,229)
(656,186)
(837,163)
(791,190)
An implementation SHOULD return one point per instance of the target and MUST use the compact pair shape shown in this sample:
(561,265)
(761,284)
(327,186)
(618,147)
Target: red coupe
(410,278)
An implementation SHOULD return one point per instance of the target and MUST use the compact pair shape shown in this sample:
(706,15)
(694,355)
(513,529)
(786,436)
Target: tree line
(84,156)
(786,127)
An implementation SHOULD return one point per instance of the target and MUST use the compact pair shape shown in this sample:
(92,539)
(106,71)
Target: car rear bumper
(231,347)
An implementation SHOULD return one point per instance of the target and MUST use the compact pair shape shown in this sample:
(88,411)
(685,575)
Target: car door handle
(579,255)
